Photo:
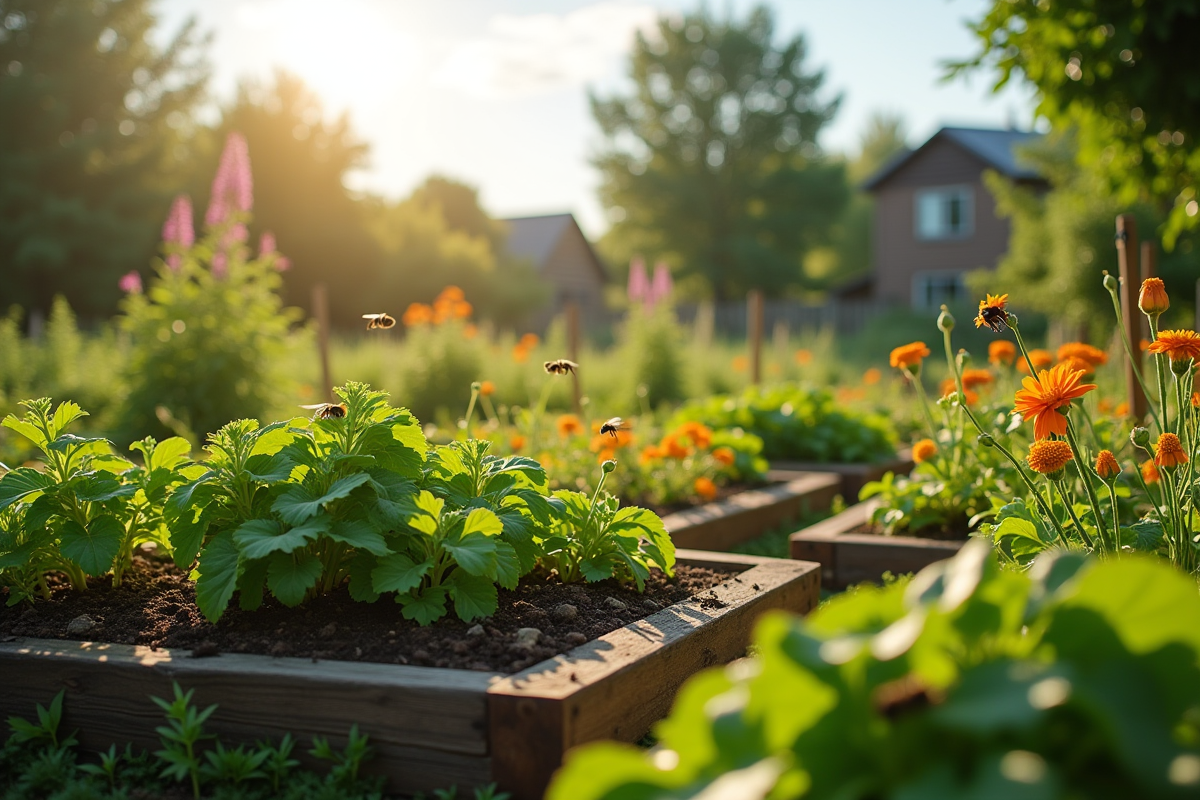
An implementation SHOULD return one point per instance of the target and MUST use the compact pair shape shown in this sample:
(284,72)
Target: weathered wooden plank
(620,684)
(853,476)
(749,514)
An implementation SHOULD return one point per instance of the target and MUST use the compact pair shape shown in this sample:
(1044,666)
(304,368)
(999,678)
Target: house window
(946,212)
(931,289)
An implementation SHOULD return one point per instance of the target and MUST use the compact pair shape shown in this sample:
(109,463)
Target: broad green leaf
(250,583)
(167,454)
(484,521)
(361,568)
(19,556)
(297,504)
(269,468)
(426,607)
(21,484)
(110,462)
(1144,535)
(648,525)
(185,496)
(290,576)
(473,596)
(186,536)
(398,573)
(272,439)
(360,534)
(474,552)
(412,437)
(26,429)
(598,568)
(66,413)
(218,576)
(68,441)
(93,548)
(99,487)
(508,566)
(258,538)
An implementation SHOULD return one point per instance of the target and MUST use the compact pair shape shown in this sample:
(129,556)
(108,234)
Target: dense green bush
(1077,679)
(798,423)
(652,356)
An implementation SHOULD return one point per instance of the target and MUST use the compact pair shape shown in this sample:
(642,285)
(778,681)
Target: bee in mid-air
(612,426)
(327,410)
(381,321)
(560,367)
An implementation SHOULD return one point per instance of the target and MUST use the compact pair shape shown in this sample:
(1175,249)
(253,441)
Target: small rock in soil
(615,604)
(329,630)
(650,604)
(576,638)
(565,612)
(206,650)
(279,649)
(528,637)
(80,625)
(475,630)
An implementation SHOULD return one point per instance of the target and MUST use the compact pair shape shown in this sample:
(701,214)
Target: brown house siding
(899,254)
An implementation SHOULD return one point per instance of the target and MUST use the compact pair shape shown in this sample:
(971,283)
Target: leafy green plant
(46,728)
(110,760)
(180,736)
(1077,678)
(278,763)
(347,761)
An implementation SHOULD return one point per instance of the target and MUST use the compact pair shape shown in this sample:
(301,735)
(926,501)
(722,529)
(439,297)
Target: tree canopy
(712,163)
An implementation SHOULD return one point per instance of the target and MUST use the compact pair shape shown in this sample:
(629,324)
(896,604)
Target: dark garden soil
(956,532)
(155,606)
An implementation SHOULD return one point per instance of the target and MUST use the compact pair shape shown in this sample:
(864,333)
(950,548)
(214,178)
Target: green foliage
(798,423)
(46,728)
(1117,73)
(183,731)
(438,374)
(86,509)
(344,772)
(91,145)
(1076,679)
(712,164)
(652,352)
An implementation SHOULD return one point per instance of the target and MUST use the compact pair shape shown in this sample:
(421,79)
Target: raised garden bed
(747,515)
(852,476)
(431,727)
(848,556)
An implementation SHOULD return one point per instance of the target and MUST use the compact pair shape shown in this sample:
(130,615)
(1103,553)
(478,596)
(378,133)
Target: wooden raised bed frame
(751,513)
(847,558)
(430,727)
(853,476)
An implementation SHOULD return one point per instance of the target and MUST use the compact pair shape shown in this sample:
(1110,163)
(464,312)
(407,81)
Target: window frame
(918,289)
(966,193)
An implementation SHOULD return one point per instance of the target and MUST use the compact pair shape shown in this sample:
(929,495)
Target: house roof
(535,238)
(998,148)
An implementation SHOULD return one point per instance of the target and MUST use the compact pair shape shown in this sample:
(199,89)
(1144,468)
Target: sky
(495,92)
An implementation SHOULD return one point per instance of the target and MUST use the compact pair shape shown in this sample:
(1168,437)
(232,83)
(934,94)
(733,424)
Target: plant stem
(471,406)
(1085,473)
(1087,540)
(1134,362)
(1159,371)
(1112,496)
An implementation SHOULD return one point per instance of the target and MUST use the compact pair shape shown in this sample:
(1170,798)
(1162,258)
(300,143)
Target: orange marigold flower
(992,313)
(1149,471)
(529,341)
(724,456)
(1049,456)
(1153,300)
(1001,351)
(649,453)
(568,425)
(462,309)
(674,446)
(872,376)
(705,488)
(924,450)
(487,388)
(1078,365)
(1168,452)
(908,355)
(607,454)
(1040,358)
(516,441)
(520,354)
(803,357)
(1178,345)
(698,432)
(1104,406)
(950,388)
(1043,396)
(740,363)
(452,293)
(976,377)
(1144,345)
(416,314)
(1084,352)
(1195,399)
(1106,465)
(1122,409)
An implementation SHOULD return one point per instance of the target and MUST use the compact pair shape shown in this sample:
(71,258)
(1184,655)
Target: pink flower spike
(266,243)
(660,289)
(220,265)
(638,286)
(232,187)
(282,263)
(178,227)
(131,283)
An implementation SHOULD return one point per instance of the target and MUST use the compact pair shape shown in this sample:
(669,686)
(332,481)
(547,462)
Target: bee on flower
(992,313)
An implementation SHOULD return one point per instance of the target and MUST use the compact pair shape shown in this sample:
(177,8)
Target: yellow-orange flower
(1152,299)
(1001,351)
(516,442)
(416,314)
(520,354)
(649,453)
(724,456)
(608,441)
(803,357)
(451,293)
(1040,358)
(872,376)
(1106,465)
(976,377)
(1195,399)
(992,313)
(1122,409)
(607,454)
(705,488)
(569,425)
(908,355)
(1042,396)
(1049,456)
(740,363)
(1168,452)
(1149,471)
(924,450)
(698,432)
(487,388)
(1084,352)
(1178,345)
(675,446)
(1078,365)
(1104,405)
(529,341)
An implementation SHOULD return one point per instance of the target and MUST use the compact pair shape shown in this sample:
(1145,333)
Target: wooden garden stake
(320,303)
(572,309)
(1127,260)
(754,325)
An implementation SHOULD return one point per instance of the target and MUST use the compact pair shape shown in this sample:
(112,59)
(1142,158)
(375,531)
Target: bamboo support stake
(1127,260)
(754,333)
(320,304)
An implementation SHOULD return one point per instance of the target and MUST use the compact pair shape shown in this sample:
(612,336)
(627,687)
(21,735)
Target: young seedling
(183,731)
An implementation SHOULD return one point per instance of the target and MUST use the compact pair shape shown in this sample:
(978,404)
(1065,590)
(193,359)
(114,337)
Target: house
(563,256)
(935,220)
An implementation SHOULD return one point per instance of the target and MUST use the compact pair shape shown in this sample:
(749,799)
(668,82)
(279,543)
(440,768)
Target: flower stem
(1112,496)
(1087,540)
(1134,363)
(1085,473)
(1159,371)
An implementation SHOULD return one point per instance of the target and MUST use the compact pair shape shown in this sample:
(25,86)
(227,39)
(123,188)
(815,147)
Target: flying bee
(327,410)
(612,426)
(560,367)
(381,321)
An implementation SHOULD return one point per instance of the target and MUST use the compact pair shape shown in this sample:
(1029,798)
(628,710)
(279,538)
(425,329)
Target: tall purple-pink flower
(177,230)
(220,264)
(661,286)
(233,186)
(639,285)
(130,283)
(266,247)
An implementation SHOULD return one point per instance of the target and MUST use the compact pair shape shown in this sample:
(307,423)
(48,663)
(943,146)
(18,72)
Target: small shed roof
(535,238)
(999,149)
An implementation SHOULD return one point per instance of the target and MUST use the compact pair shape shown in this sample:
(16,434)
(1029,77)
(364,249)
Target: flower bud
(1012,321)
(1107,467)
(1140,437)
(608,466)
(963,359)
(1153,300)
(476,386)
(986,440)
(945,321)
(1180,366)
(1111,283)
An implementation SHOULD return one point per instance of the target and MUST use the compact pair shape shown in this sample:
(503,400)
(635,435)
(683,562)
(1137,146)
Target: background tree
(713,163)
(94,141)
(1124,76)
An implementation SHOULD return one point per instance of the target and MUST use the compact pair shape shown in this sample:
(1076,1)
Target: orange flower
(1153,300)
(1195,399)
(1168,452)
(1106,465)
(950,388)
(470,331)
(1122,409)
(1078,365)
(992,313)
(1104,406)
(909,355)
(1144,345)
(487,388)
(463,309)
(674,446)
(1149,471)
(1084,352)
(1040,358)
(705,488)
(607,441)
(1178,345)
(976,377)
(1001,351)
(872,376)
(649,453)
(1042,396)
(607,454)
(803,357)
(924,450)
(416,314)
(740,363)
(529,341)
(724,456)
(516,441)
(569,425)
(520,354)
(698,432)
(452,293)
(1049,456)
